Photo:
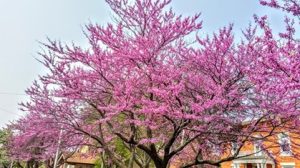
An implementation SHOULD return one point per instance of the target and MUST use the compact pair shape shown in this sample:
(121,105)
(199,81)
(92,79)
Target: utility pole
(57,150)
(11,164)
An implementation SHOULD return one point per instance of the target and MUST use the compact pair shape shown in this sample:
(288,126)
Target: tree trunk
(19,165)
(161,164)
(36,164)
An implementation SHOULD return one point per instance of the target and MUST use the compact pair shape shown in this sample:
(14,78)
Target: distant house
(79,159)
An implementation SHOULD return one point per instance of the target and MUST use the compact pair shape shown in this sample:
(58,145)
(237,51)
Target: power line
(8,111)
(12,93)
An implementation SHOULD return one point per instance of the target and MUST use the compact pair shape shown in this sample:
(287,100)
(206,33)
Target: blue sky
(24,23)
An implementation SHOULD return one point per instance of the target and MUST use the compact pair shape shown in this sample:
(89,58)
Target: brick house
(281,150)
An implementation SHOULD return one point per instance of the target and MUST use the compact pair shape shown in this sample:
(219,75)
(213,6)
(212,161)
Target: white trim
(253,161)
(258,165)
(288,164)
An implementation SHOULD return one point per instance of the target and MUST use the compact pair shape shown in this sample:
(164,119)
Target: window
(285,144)
(215,150)
(234,148)
(257,149)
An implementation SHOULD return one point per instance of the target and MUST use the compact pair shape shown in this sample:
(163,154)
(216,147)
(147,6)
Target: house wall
(272,146)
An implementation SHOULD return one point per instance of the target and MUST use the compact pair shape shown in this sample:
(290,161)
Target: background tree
(4,160)
(35,145)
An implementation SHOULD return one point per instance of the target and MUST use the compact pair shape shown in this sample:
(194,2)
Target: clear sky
(25,22)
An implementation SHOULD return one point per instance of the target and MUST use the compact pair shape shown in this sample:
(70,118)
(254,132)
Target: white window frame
(280,136)
(282,165)
(257,150)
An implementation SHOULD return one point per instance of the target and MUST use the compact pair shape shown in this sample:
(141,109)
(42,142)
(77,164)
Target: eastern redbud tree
(142,82)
